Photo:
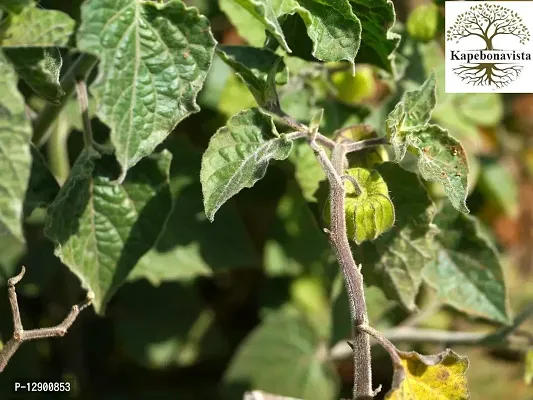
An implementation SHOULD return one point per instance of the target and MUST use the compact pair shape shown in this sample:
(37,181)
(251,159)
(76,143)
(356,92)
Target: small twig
(364,144)
(83,101)
(509,335)
(20,335)
(295,135)
(384,342)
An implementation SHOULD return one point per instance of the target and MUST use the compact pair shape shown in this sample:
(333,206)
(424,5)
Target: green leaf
(14,6)
(332,27)
(15,158)
(439,376)
(277,360)
(257,68)
(42,187)
(441,158)
(308,172)
(156,55)
(412,112)
(466,271)
(377,41)
(189,245)
(395,260)
(369,209)
(154,337)
(40,69)
(34,27)
(101,228)
(248,28)
(238,155)
(263,11)
(30,40)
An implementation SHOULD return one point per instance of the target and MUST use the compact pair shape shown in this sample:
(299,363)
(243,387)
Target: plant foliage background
(192,309)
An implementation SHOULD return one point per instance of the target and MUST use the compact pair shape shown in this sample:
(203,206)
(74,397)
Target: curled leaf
(368,207)
(440,376)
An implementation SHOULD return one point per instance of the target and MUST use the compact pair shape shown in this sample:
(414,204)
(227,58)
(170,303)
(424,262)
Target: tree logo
(487,46)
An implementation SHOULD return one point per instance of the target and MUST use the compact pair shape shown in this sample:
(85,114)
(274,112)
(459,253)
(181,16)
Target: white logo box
(493,60)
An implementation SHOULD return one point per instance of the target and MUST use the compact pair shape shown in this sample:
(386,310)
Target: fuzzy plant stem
(353,278)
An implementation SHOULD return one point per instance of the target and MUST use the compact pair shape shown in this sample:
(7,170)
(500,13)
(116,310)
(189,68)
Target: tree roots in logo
(488,74)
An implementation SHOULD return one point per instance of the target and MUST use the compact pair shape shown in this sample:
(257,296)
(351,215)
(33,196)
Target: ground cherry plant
(305,168)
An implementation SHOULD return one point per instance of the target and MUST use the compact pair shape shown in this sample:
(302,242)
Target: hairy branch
(20,335)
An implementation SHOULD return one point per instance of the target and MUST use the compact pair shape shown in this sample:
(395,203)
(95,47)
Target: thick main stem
(354,283)
(353,278)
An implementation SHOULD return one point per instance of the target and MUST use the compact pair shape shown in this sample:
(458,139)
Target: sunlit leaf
(154,60)
(238,156)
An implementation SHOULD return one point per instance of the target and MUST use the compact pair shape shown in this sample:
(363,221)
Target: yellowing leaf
(435,377)
(528,373)
(369,209)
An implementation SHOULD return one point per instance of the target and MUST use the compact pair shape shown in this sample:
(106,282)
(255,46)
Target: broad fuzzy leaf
(15,158)
(441,376)
(466,271)
(101,228)
(257,68)
(189,245)
(395,260)
(377,41)
(275,359)
(238,155)
(154,60)
(369,209)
